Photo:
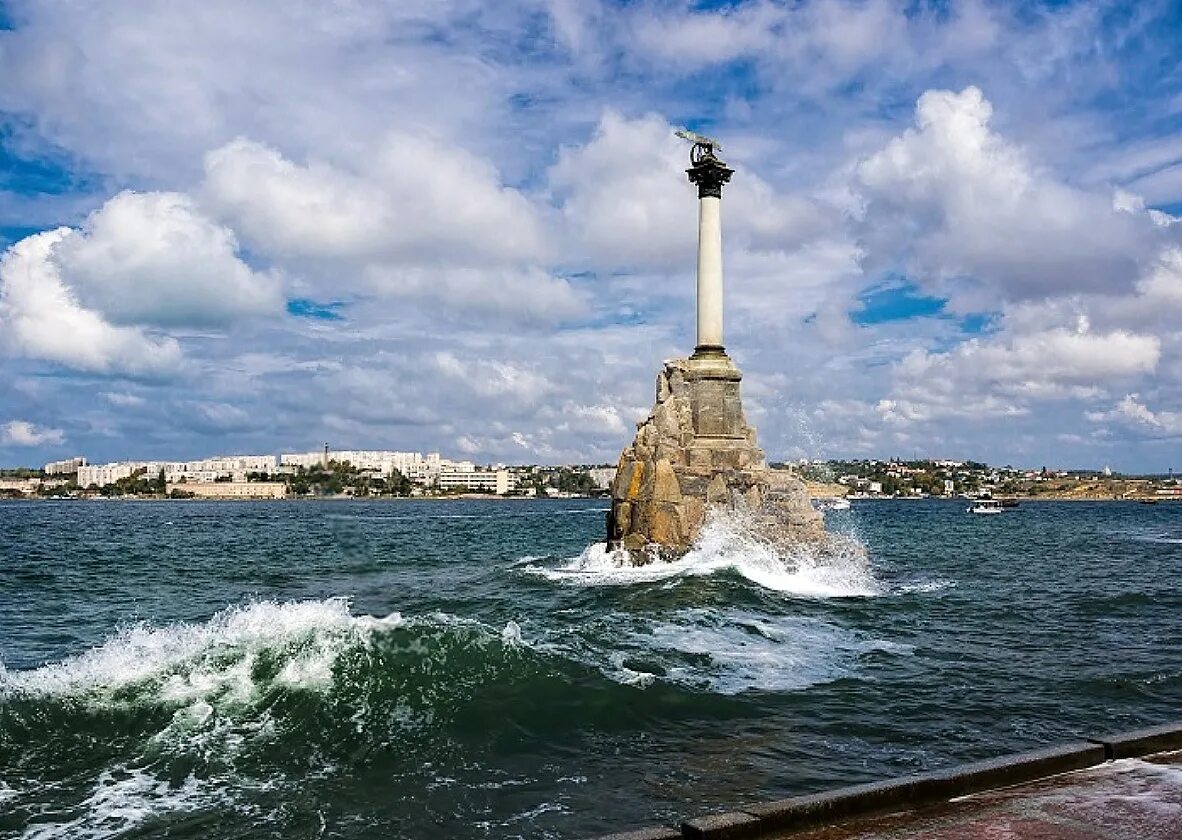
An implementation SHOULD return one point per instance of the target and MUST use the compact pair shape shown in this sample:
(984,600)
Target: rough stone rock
(694,454)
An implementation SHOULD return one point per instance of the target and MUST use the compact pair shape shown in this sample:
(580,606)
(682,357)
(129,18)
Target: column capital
(708,172)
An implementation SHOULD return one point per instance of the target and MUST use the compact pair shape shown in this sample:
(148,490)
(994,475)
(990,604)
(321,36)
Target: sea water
(479,669)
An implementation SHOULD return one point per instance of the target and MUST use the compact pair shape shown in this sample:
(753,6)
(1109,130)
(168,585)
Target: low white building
(233,489)
(24,486)
(464,475)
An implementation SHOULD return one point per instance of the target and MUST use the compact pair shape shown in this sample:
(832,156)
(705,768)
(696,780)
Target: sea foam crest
(124,799)
(212,659)
(835,567)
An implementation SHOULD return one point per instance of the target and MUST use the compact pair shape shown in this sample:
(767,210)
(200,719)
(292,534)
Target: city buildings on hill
(221,468)
(419,468)
(240,476)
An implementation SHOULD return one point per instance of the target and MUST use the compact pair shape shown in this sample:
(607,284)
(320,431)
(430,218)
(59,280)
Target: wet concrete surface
(1129,799)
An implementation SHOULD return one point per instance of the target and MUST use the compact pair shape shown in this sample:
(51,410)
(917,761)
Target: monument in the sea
(696,452)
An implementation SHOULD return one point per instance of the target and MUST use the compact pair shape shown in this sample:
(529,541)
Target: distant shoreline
(456,498)
(469,497)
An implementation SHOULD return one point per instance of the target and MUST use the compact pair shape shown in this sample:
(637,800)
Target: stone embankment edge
(770,819)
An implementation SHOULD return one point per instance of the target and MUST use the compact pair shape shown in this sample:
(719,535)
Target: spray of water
(835,567)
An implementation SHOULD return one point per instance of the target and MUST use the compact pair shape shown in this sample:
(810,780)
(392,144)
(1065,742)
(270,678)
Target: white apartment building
(464,475)
(234,467)
(602,476)
(67,467)
(101,475)
(413,465)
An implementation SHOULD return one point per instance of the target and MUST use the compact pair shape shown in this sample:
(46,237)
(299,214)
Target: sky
(449,225)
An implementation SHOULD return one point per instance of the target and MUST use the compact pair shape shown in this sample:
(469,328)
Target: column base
(709,351)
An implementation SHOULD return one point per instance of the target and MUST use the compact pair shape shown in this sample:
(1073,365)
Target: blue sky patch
(895,301)
(45,171)
(305,308)
(11,235)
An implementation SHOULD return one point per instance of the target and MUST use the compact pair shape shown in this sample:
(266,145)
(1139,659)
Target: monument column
(709,174)
(696,452)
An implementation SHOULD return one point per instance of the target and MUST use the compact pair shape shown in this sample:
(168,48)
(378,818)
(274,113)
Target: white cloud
(953,198)
(1004,375)
(415,199)
(23,433)
(488,296)
(42,318)
(1131,412)
(123,400)
(152,258)
(701,38)
(624,194)
(501,380)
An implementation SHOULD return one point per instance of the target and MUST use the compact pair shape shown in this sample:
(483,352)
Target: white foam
(835,568)
(123,799)
(208,660)
(511,635)
(924,586)
(724,650)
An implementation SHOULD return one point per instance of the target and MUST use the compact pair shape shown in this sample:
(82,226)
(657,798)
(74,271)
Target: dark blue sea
(472,669)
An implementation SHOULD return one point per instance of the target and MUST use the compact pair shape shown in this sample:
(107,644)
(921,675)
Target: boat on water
(986,507)
(837,503)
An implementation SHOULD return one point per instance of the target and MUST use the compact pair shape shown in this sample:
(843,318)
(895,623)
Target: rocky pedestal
(696,453)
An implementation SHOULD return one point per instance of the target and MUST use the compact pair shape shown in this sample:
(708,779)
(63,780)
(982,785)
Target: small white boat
(987,506)
(833,504)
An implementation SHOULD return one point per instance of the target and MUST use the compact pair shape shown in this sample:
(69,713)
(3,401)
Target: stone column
(709,174)
(709,274)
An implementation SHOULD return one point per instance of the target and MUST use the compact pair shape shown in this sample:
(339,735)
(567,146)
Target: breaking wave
(837,567)
(258,698)
(237,713)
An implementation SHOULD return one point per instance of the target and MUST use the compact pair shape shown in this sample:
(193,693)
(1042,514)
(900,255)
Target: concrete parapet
(786,816)
(910,792)
(735,825)
(1142,741)
(654,833)
(1017,768)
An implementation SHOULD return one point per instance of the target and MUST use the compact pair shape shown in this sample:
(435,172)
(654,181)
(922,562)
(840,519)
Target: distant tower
(326,456)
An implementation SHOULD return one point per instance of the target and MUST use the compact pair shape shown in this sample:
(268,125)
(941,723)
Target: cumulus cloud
(952,198)
(153,258)
(42,318)
(1007,374)
(522,297)
(624,194)
(1133,413)
(416,199)
(23,433)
